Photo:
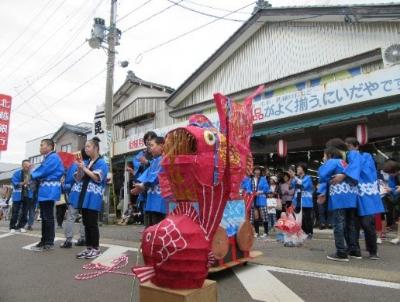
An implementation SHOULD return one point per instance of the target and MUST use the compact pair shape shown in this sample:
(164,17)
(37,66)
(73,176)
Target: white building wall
(279,50)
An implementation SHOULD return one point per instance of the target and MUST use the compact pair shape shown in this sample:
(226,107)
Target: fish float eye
(209,137)
(148,237)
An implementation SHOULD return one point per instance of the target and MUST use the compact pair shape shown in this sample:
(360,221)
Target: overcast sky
(43,57)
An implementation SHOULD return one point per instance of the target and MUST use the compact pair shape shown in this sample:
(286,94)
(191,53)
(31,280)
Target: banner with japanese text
(366,87)
(356,90)
(5,112)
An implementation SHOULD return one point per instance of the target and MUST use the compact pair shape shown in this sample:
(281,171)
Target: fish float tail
(143,273)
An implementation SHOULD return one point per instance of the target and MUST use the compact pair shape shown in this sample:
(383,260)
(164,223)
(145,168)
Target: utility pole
(108,107)
(101,34)
(110,68)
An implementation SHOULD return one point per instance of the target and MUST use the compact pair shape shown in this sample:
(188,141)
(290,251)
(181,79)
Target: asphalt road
(281,274)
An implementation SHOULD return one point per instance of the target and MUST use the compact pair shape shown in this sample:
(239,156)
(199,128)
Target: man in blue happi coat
(48,175)
(22,196)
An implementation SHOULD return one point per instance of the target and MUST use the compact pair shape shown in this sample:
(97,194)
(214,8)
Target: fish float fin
(211,259)
(143,273)
(186,208)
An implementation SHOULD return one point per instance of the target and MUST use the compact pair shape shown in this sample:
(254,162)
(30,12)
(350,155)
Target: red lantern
(282,148)
(362,134)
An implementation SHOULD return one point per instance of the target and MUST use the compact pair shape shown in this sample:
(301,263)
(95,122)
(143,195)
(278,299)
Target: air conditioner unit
(391,55)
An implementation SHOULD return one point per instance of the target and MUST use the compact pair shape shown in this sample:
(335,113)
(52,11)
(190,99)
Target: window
(66,148)
(139,128)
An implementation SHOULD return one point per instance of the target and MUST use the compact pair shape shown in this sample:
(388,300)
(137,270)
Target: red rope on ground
(101,269)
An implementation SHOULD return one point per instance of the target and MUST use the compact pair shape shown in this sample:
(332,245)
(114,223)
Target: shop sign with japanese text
(5,111)
(375,85)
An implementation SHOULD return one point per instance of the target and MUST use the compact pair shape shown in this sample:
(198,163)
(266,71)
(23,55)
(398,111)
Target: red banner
(5,111)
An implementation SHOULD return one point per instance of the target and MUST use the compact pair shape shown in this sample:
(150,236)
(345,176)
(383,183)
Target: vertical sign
(5,110)
(100,130)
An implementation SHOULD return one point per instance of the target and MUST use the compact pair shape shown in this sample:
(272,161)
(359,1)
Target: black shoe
(29,228)
(48,247)
(355,255)
(39,244)
(336,257)
(80,242)
(322,227)
(66,245)
(38,247)
(374,257)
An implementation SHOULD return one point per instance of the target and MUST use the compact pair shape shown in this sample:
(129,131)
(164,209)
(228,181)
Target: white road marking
(340,278)
(29,246)
(113,252)
(6,235)
(262,285)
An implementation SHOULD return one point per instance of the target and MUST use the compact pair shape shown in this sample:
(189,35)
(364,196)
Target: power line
(134,10)
(36,111)
(138,58)
(42,26)
(63,49)
(151,17)
(55,78)
(54,33)
(214,8)
(52,67)
(25,29)
(207,14)
(68,94)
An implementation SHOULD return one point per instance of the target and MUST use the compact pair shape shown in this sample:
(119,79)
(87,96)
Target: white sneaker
(263,236)
(395,241)
(12,231)
(378,240)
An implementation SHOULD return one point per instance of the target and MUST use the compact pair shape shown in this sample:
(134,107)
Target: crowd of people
(79,187)
(348,194)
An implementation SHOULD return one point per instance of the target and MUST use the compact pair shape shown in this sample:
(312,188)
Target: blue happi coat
(262,186)
(306,189)
(49,174)
(154,201)
(393,185)
(340,196)
(17,188)
(93,197)
(369,201)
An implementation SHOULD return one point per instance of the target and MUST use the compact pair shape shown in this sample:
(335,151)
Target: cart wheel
(245,263)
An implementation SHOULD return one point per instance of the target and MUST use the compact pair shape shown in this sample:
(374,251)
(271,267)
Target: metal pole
(108,108)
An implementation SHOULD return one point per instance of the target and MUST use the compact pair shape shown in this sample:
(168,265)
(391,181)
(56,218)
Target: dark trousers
(60,213)
(19,214)
(368,225)
(152,218)
(344,231)
(308,220)
(90,221)
(325,216)
(48,226)
(257,226)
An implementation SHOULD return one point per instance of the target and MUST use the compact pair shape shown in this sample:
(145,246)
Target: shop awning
(326,119)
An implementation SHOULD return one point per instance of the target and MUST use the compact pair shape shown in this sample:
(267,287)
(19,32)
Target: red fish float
(203,166)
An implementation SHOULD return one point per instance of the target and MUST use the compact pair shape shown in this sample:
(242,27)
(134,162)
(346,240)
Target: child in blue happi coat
(87,194)
(361,168)
(303,198)
(155,207)
(258,185)
(342,201)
